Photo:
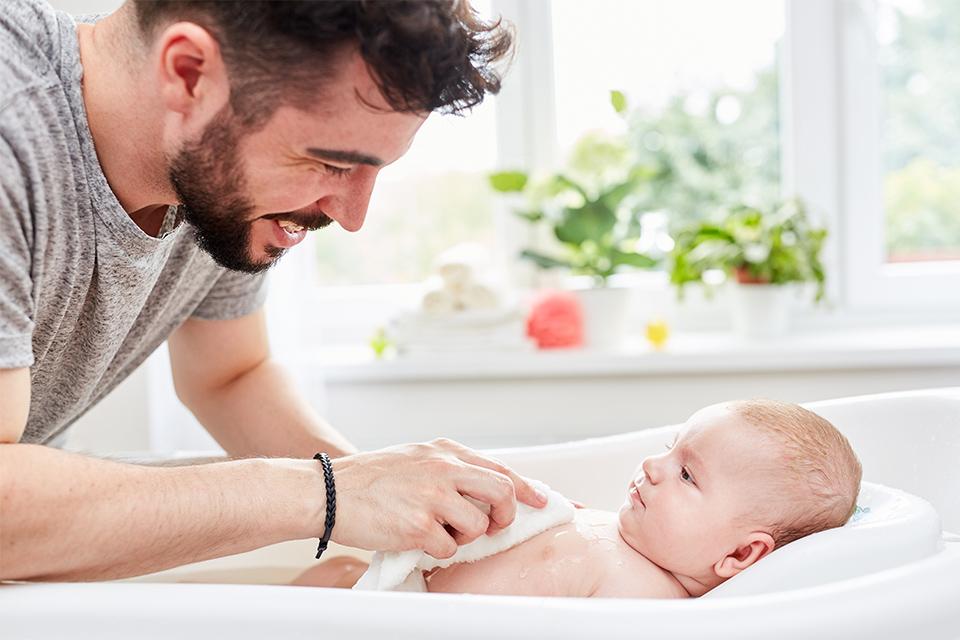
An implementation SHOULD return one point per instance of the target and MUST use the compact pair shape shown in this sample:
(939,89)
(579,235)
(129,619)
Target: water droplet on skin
(605,544)
(562,533)
(619,563)
(524,572)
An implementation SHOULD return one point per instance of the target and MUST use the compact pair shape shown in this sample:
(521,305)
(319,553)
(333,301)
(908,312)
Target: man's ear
(755,546)
(190,70)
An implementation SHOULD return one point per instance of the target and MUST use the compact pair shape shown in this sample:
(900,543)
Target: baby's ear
(755,546)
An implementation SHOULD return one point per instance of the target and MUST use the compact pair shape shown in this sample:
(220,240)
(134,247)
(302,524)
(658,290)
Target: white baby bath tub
(910,441)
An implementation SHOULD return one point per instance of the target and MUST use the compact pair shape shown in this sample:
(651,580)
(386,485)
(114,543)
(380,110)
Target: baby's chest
(545,565)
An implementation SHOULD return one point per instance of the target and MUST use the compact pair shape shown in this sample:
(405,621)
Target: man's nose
(349,206)
(351,218)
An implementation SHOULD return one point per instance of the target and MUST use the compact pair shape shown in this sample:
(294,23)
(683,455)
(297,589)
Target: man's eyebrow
(347,157)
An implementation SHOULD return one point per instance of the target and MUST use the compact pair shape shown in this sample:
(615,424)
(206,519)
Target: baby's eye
(685,475)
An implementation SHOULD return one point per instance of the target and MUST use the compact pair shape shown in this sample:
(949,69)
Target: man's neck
(124,121)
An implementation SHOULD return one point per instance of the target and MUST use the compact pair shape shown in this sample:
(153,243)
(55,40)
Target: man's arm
(65,516)
(223,373)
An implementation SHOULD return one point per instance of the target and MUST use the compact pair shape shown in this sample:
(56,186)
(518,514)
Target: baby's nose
(647,469)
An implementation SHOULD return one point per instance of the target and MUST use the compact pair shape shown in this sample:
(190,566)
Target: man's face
(250,197)
(686,508)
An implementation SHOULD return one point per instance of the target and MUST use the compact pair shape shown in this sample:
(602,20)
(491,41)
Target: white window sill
(835,350)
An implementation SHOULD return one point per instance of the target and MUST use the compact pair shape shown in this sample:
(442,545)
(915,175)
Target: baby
(740,480)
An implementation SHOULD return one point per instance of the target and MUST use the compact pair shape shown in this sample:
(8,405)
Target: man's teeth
(290,227)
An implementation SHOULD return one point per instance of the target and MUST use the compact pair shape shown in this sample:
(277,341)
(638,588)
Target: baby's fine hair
(818,461)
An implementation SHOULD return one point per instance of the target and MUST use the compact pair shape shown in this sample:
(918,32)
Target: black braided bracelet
(331,501)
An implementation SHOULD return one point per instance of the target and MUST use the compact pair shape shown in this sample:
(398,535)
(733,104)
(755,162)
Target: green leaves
(591,205)
(776,247)
(593,227)
(545,261)
(593,221)
(619,101)
(633,259)
(508,181)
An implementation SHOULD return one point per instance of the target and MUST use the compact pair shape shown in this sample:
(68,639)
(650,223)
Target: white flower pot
(760,310)
(604,316)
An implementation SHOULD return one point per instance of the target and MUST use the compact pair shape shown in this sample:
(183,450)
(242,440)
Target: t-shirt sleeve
(234,295)
(16,284)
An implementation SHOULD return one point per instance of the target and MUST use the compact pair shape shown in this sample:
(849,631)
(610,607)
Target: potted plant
(589,212)
(762,253)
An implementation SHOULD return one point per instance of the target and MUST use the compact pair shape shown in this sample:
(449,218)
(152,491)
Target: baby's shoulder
(621,571)
(628,574)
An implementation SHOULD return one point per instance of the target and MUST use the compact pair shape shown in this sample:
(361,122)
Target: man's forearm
(65,516)
(261,413)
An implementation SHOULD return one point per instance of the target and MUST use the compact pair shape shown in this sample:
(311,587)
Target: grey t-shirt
(85,294)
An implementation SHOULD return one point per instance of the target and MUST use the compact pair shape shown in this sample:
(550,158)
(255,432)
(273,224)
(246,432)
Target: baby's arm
(341,572)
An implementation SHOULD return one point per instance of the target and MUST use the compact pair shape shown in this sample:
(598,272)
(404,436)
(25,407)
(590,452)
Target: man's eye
(336,171)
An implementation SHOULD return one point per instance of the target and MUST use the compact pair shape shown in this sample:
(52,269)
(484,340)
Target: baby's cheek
(677,529)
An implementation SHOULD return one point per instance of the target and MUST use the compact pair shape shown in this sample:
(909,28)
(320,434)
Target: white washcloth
(403,571)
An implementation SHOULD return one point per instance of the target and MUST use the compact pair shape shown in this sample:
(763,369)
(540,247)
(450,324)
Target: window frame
(872,282)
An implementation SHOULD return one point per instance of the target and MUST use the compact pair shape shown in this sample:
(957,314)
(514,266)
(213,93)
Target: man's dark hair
(425,55)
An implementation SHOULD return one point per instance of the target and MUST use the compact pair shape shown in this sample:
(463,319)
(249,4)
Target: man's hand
(414,497)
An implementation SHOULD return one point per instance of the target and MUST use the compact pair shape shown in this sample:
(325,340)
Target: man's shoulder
(30,46)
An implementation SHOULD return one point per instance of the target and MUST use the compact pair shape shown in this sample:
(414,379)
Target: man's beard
(208,179)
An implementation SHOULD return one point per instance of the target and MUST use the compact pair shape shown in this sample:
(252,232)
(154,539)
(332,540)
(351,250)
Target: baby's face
(685,508)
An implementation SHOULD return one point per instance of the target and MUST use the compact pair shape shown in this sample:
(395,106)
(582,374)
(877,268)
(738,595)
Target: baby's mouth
(635,496)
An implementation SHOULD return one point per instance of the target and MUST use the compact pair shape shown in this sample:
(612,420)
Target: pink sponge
(556,320)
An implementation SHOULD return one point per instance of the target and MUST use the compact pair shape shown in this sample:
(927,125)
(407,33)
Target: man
(262,120)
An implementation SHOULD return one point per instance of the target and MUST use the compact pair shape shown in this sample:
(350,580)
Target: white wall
(525,411)
(77,7)
(121,422)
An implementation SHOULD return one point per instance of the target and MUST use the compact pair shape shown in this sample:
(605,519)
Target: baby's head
(741,479)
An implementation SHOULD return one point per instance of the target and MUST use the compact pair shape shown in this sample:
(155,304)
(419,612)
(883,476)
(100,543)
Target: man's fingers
(440,544)
(467,521)
(525,492)
(491,488)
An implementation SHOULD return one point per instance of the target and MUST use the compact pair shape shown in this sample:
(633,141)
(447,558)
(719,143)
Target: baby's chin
(624,529)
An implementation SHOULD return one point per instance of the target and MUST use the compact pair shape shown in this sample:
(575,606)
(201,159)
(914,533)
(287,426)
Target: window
(919,52)
(850,105)
(433,197)
(900,159)
(701,78)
